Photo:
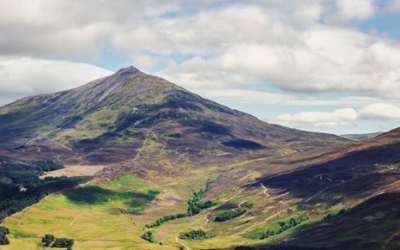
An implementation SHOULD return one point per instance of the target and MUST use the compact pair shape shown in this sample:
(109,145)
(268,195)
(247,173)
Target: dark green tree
(47,240)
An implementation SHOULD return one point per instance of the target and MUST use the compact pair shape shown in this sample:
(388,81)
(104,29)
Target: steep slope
(109,119)
(360,178)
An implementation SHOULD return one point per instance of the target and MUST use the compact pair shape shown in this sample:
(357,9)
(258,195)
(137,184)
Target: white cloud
(353,10)
(247,44)
(340,118)
(221,50)
(20,77)
(380,111)
(394,6)
(70,28)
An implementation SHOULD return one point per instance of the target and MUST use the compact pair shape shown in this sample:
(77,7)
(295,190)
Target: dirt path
(206,217)
(136,156)
(207,220)
(144,143)
(317,194)
(258,224)
(202,226)
(243,202)
(183,244)
(72,222)
(323,190)
(265,190)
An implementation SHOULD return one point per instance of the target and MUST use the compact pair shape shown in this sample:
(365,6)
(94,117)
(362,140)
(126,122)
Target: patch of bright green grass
(104,216)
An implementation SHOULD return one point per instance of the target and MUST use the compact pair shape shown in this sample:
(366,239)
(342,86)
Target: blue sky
(321,65)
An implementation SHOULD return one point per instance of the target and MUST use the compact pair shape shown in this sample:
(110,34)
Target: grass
(97,217)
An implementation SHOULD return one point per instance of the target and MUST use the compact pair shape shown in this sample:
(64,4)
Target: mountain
(170,169)
(110,119)
(360,137)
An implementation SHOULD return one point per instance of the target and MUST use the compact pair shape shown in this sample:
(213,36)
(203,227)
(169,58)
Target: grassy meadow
(104,216)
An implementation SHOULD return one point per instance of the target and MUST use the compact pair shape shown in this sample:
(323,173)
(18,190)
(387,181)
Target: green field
(97,217)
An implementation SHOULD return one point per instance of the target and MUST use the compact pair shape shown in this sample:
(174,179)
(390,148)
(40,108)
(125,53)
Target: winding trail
(317,194)
(265,190)
(183,244)
(206,216)
(207,220)
(202,226)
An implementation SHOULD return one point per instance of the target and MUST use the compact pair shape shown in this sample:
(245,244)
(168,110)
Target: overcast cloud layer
(265,52)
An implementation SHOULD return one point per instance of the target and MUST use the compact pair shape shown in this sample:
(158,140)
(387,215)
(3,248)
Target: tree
(149,237)
(4,240)
(195,235)
(48,239)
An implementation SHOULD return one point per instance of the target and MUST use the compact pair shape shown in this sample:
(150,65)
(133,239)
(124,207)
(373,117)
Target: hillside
(343,197)
(173,170)
(110,119)
(361,179)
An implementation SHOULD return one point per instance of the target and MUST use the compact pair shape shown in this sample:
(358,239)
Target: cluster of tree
(278,247)
(19,201)
(26,174)
(194,207)
(149,236)
(3,235)
(232,214)
(63,242)
(47,166)
(50,241)
(196,235)
(330,216)
(293,222)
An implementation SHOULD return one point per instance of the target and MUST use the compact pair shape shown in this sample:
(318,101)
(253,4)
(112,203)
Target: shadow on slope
(368,177)
(370,225)
(356,174)
(124,201)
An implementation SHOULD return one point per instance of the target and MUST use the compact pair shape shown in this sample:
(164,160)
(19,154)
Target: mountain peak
(125,73)
(129,70)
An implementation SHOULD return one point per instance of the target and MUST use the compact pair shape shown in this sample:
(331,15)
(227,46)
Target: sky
(319,65)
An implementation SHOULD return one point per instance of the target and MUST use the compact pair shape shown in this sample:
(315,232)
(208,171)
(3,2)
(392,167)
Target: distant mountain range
(360,137)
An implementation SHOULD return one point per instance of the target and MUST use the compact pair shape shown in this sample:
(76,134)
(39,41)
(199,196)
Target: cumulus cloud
(353,10)
(242,44)
(233,43)
(70,28)
(20,77)
(340,118)
(380,111)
